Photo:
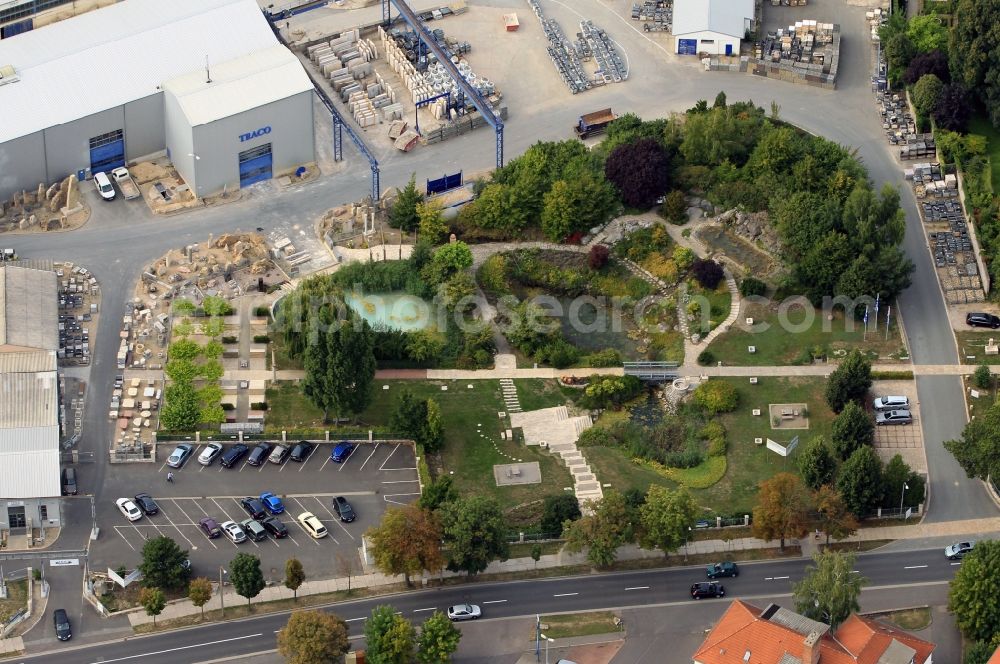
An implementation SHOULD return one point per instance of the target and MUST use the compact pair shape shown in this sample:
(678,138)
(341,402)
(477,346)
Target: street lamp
(222,599)
(902,493)
(686,544)
(547,642)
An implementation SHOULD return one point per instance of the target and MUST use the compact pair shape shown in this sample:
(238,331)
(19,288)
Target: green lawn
(748,463)
(981,125)
(777,346)
(972,347)
(288,409)
(535,393)
(579,624)
(719,301)
(281,358)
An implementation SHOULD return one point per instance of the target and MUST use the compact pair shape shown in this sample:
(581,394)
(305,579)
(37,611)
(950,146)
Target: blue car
(341,452)
(272,503)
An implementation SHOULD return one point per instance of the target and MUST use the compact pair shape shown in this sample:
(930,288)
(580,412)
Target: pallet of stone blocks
(657,15)
(918,146)
(806,52)
(592,43)
(896,119)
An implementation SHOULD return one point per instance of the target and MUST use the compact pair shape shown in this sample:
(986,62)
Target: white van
(104,186)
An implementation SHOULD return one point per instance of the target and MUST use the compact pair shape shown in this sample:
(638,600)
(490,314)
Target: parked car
(278,454)
(253,507)
(259,454)
(147,504)
(341,452)
(312,525)
(272,503)
(274,526)
(233,455)
(958,550)
(707,589)
(69,482)
(464,612)
(210,454)
(104,187)
(253,529)
(234,532)
(180,455)
(893,417)
(63,630)
(209,526)
(892,403)
(344,509)
(980,319)
(301,451)
(722,569)
(128,508)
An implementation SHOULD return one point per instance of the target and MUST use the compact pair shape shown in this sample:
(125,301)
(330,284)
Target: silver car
(892,403)
(180,455)
(464,612)
(893,417)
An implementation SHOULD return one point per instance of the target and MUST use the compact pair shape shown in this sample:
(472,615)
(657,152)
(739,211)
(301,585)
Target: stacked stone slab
(559,432)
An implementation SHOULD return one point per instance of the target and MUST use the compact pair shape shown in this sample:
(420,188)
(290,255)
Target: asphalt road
(771,579)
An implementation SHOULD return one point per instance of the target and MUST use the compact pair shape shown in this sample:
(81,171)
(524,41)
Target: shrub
(663,268)
(683,257)
(982,378)
(598,256)
(715,434)
(926,93)
(230,340)
(261,339)
(717,396)
(688,458)
(559,353)
(752,286)
(228,406)
(609,357)
(258,405)
(706,358)
(708,273)
(557,510)
(493,274)
(675,208)
(262,311)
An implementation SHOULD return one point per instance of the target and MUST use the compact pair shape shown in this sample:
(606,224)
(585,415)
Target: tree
(896,475)
(199,592)
(153,601)
(498,208)
(860,481)
(440,491)
(816,463)
(640,172)
(717,396)
(927,33)
(974,51)
(576,205)
(181,410)
(475,533)
(978,451)
(979,652)
(610,524)
(708,273)
(433,227)
(162,563)
(982,378)
(448,259)
(313,637)
(424,345)
(556,511)
(294,576)
(851,429)
(833,517)
(407,541)
(926,93)
(899,52)
(666,518)
(340,369)
(974,597)
(403,214)
(438,640)
(184,349)
(248,580)
(433,431)
(782,509)
(849,382)
(388,637)
(953,108)
(934,62)
(830,589)
(598,256)
(674,207)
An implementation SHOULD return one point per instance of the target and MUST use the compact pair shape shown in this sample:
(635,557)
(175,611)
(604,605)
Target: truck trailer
(594,123)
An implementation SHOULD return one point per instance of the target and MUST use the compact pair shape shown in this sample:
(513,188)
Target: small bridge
(652,372)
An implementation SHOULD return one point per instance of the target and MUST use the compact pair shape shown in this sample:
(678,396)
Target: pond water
(395,310)
(590,326)
(754,260)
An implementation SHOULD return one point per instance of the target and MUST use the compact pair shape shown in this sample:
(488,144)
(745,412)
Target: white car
(892,403)
(312,525)
(104,186)
(209,454)
(464,612)
(234,532)
(128,509)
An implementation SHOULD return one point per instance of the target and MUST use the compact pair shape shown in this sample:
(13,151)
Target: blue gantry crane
(427,39)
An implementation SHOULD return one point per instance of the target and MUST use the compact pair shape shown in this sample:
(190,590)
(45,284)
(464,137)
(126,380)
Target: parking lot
(373,476)
(905,440)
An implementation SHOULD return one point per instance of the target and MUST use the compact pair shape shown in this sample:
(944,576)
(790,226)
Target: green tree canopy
(851,429)
(432,225)
(860,481)
(295,575)
(666,518)
(475,533)
(832,515)
(389,638)
(153,601)
(438,640)
(403,214)
(829,591)
(896,475)
(610,525)
(248,580)
(927,33)
(162,563)
(557,510)
(199,592)
(974,598)
(974,51)
(926,93)
(816,463)
(978,451)
(849,382)
(313,637)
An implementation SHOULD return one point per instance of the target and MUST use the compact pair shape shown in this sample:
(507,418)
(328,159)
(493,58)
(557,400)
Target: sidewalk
(182,608)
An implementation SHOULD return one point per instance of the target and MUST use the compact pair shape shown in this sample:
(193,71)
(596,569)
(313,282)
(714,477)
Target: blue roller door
(107,151)
(687,46)
(16,28)
(255,165)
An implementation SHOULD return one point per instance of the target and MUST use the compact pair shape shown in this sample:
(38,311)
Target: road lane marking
(953,564)
(775,578)
(638,588)
(193,645)
(915,566)
(430,608)
(356,619)
(495,601)
(565,594)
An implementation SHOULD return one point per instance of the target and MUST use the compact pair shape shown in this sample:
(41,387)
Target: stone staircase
(558,431)
(509,393)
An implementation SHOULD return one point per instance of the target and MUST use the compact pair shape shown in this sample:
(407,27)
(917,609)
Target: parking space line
(308,458)
(336,519)
(374,450)
(177,503)
(382,467)
(324,464)
(117,530)
(296,521)
(350,455)
(176,527)
(389,496)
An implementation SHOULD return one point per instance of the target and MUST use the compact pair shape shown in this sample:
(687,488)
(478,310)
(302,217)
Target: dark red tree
(707,272)
(933,62)
(598,256)
(952,109)
(640,172)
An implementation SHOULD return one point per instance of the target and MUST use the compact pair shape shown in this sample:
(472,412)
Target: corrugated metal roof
(111,56)
(27,361)
(727,17)
(250,81)
(29,314)
(28,400)
(29,462)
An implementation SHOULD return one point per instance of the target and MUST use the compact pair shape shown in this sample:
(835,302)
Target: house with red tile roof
(747,634)
(995,659)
